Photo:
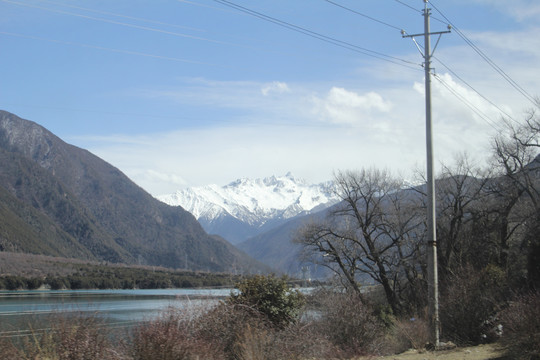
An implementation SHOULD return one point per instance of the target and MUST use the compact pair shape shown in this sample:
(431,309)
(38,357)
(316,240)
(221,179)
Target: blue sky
(188,93)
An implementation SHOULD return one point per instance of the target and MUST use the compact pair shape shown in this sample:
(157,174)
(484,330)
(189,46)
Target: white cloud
(342,106)
(203,92)
(275,87)
(519,9)
(153,176)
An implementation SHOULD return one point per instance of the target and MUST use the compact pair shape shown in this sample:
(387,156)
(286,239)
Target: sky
(182,93)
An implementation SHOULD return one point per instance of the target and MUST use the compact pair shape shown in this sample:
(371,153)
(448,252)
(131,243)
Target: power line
(456,75)
(290,26)
(319,36)
(364,15)
(409,6)
(128,52)
(473,89)
(420,11)
(121,15)
(486,58)
(140,27)
(464,100)
(146,28)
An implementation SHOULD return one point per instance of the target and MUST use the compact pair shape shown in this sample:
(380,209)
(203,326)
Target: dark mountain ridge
(57,199)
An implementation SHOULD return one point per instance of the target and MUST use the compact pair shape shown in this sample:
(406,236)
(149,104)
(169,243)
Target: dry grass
(481,352)
(70,337)
(171,337)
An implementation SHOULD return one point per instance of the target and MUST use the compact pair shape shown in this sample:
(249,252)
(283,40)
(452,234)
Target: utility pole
(433,287)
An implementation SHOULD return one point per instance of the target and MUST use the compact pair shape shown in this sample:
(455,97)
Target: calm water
(20,310)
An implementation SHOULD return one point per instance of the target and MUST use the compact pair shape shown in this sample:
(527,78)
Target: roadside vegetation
(264,320)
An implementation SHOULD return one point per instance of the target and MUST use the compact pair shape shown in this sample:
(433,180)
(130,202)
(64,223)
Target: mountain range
(246,208)
(60,200)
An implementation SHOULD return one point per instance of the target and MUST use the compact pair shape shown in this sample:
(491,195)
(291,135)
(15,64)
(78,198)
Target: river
(22,310)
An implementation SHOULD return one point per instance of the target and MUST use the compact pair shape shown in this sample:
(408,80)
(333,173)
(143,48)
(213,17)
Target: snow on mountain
(253,202)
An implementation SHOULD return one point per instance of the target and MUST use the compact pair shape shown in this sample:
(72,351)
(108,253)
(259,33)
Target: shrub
(467,303)
(76,337)
(256,345)
(226,326)
(57,283)
(33,283)
(409,334)
(270,296)
(302,341)
(8,350)
(242,332)
(14,283)
(349,324)
(171,337)
(521,327)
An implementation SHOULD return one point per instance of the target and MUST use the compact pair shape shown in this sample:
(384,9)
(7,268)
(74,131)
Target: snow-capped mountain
(247,207)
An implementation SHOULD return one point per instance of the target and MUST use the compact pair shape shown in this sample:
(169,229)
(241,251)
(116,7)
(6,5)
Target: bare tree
(460,198)
(375,232)
(516,152)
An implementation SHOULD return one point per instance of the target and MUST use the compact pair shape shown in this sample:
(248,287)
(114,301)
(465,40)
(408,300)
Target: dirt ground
(481,352)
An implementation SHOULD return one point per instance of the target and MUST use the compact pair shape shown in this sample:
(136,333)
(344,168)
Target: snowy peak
(254,201)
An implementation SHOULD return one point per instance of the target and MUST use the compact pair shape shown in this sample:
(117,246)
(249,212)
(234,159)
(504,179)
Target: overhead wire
(447,22)
(349,46)
(205,6)
(460,97)
(420,11)
(475,109)
(409,6)
(465,101)
(363,15)
(486,58)
(140,27)
(290,26)
(473,89)
(447,86)
(121,15)
(145,28)
(319,36)
(122,51)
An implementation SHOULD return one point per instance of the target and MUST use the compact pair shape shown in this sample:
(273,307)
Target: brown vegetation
(521,326)
(333,326)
